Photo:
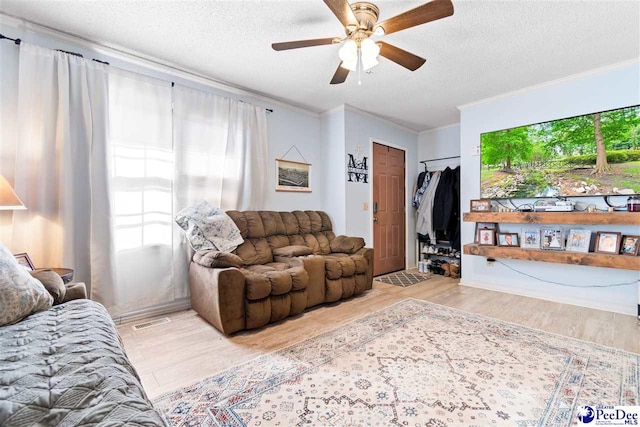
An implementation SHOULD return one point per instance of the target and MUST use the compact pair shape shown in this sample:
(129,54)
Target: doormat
(403,278)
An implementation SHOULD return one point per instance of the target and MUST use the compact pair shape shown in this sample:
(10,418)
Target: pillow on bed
(52,282)
(20,294)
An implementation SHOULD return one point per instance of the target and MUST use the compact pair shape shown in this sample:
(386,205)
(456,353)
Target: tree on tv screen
(593,154)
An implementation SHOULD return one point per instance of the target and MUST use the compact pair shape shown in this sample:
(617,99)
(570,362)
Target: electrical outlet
(365,206)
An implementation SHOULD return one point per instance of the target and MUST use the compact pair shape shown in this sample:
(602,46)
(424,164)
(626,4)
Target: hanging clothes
(424,223)
(446,205)
(423,182)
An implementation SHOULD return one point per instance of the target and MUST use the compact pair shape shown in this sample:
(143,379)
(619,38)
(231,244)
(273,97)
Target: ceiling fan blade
(432,11)
(343,11)
(340,76)
(402,57)
(304,43)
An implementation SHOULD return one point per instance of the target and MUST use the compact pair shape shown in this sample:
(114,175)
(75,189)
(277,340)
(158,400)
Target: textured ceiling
(485,49)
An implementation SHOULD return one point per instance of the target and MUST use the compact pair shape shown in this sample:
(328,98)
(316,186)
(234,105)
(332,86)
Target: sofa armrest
(216,259)
(218,296)
(75,290)
(367,253)
(346,244)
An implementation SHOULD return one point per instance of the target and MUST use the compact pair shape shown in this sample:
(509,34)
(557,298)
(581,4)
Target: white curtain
(103,165)
(61,170)
(142,180)
(221,151)
(220,148)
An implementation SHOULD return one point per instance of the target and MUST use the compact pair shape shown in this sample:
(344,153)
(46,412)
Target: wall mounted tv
(595,154)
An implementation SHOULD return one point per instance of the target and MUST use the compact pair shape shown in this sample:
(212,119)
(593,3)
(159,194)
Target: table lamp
(9,200)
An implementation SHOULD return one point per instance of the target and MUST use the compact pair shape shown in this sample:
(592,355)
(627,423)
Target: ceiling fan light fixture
(349,52)
(379,31)
(369,53)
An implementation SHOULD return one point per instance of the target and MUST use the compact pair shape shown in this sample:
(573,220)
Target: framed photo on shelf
(630,245)
(578,240)
(482,225)
(486,237)
(24,261)
(508,239)
(608,242)
(480,205)
(293,176)
(530,238)
(552,238)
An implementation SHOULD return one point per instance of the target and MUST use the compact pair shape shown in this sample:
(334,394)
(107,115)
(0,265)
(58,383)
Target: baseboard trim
(615,308)
(158,310)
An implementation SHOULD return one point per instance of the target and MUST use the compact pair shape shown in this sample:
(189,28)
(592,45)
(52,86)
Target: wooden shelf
(560,257)
(622,218)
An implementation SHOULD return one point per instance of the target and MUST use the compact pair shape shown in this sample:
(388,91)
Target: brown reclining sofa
(289,261)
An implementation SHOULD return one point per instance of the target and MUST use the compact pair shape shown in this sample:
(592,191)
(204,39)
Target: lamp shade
(9,201)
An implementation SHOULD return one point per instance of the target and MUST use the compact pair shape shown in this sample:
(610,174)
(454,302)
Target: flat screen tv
(595,154)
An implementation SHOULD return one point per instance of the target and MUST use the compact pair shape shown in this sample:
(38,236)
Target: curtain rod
(441,158)
(16,41)
(19,41)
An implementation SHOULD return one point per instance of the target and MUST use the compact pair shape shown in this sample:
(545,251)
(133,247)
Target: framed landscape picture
(293,176)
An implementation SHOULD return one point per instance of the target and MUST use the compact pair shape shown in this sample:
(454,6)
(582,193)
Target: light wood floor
(188,349)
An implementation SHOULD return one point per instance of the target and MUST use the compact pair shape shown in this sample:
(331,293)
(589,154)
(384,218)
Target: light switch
(365,206)
(475,150)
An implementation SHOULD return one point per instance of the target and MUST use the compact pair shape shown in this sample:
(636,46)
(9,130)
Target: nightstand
(65,273)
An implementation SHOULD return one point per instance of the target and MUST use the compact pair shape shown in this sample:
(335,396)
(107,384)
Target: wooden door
(388,209)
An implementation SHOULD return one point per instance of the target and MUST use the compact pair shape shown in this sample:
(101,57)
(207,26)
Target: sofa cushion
(216,259)
(294,250)
(347,245)
(273,223)
(290,223)
(52,282)
(274,278)
(20,294)
(339,266)
(255,251)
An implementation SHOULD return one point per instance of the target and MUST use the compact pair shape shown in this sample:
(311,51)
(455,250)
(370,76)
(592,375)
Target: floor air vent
(151,323)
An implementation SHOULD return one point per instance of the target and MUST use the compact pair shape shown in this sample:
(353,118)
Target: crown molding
(439,128)
(105,51)
(596,71)
(356,110)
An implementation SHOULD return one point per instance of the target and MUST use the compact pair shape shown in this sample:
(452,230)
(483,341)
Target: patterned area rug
(403,278)
(414,364)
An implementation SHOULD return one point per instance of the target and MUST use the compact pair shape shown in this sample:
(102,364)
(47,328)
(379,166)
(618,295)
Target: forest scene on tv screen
(590,155)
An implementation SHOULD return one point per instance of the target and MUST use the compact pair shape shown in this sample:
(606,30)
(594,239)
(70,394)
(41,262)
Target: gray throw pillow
(20,294)
(53,284)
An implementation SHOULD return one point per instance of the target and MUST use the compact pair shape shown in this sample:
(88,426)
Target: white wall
(362,129)
(334,172)
(607,89)
(438,143)
(287,125)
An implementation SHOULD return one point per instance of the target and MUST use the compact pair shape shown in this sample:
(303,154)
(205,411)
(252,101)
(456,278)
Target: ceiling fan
(360,22)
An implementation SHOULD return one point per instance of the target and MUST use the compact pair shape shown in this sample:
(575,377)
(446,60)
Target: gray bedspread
(66,367)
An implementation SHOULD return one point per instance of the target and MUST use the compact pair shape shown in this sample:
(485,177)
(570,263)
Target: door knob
(375,219)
